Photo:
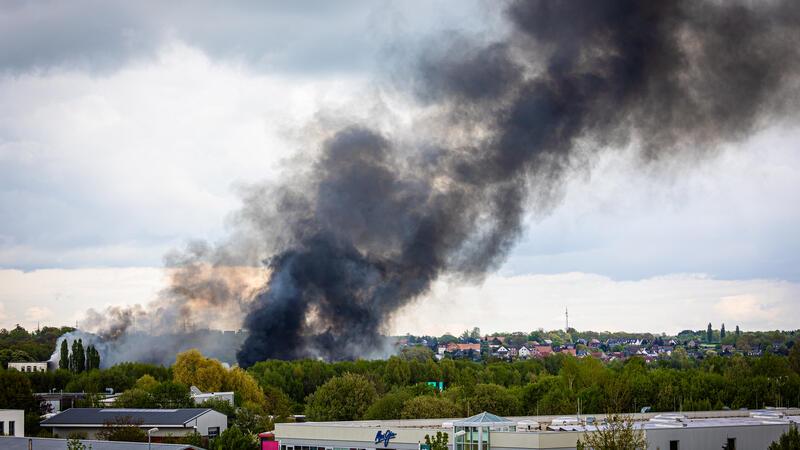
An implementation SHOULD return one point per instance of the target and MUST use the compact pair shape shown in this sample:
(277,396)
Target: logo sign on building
(385,437)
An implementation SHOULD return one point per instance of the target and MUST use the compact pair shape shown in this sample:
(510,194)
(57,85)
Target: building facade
(730,430)
(12,422)
(29,366)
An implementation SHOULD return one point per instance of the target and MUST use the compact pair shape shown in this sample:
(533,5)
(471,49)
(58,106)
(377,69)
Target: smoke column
(375,220)
(378,212)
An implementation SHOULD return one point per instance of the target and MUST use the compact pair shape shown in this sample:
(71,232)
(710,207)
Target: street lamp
(149,433)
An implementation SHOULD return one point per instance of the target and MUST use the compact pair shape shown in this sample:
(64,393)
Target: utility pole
(566,314)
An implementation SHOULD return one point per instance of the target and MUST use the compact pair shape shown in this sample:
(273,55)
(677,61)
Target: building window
(11,428)
(673,445)
(213,432)
(731,445)
(2,428)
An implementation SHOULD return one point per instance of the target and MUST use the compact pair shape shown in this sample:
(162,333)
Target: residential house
(541,351)
(501,352)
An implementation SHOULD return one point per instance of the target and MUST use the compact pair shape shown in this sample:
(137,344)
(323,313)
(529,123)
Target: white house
(29,366)
(524,352)
(12,422)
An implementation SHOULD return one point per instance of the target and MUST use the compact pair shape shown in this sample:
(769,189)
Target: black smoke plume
(376,219)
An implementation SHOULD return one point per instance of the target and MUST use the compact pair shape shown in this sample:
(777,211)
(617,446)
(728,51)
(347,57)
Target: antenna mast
(566,314)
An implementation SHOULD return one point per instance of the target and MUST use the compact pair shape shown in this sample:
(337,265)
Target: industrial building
(169,422)
(728,430)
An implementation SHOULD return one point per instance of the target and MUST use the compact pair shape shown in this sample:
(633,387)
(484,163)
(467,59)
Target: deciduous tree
(341,398)
(234,439)
(429,407)
(619,434)
(193,369)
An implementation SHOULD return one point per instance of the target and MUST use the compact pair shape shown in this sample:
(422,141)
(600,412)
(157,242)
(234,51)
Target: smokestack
(374,221)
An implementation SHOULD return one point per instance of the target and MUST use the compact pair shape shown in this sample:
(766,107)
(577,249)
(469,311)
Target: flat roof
(693,419)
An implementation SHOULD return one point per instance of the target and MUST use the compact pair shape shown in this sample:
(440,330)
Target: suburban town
(606,347)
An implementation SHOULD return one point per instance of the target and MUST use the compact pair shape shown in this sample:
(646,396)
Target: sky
(129,129)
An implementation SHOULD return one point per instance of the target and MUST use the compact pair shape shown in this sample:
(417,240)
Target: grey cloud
(307,36)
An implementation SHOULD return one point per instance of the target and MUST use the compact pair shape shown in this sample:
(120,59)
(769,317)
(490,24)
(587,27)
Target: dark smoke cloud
(376,220)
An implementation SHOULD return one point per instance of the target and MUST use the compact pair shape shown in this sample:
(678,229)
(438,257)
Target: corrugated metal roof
(147,417)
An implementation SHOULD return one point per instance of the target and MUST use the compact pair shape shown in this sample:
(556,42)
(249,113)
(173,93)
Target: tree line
(397,388)
(80,360)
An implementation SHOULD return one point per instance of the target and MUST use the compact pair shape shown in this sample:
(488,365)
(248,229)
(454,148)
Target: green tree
(722,332)
(276,402)
(620,434)
(341,398)
(78,360)
(397,372)
(234,439)
(16,392)
(737,331)
(63,362)
(709,334)
(134,398)
(794,357)
(429,407)
(252,420)
(490,397)
(475,333)
(788,441)
(438,442)
(170,394)
(146,383)
(390,406)
(92,358)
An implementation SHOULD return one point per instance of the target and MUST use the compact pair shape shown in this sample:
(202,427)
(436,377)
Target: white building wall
(15,416)
(748,437)
(210,419)
(29,366)
(200,398)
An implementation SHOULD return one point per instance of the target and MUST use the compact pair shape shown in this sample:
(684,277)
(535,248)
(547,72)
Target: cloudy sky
(127,129)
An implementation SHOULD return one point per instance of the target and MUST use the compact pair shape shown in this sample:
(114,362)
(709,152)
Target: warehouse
(678,431)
